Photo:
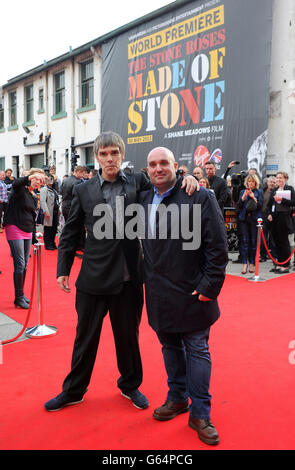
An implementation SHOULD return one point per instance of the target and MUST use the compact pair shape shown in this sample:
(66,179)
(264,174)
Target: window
(29,103)
(12,109)
(60,93)
(1,116)
(87,84)
(89,156)
(41,100)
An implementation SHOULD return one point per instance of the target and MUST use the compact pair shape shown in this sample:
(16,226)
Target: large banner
(195,80)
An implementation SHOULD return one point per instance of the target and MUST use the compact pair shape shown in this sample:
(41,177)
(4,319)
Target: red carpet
(252,385)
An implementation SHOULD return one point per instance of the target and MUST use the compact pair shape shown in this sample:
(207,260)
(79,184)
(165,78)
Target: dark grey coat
(102,270)
(171,274)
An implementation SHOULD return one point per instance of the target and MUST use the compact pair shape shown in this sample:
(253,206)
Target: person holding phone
(20,226)
(249,205)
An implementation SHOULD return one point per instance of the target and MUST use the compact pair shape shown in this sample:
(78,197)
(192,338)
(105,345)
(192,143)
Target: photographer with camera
(183,170)
(229,167)
(249,205)
(238,183)
(230,202)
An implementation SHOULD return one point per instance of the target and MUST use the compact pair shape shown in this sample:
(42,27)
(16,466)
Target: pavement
(9,328)
(264,271)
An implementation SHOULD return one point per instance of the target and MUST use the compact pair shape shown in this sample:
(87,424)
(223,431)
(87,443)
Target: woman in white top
(279,214)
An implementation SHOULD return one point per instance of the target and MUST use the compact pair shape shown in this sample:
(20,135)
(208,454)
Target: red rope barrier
(29,310)
(269,254)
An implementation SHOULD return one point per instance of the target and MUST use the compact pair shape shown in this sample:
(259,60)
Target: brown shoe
(169,410)
(205,429)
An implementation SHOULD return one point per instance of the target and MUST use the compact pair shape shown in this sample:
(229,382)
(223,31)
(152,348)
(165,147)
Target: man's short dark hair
(109,139)
(80,168)
(210,163)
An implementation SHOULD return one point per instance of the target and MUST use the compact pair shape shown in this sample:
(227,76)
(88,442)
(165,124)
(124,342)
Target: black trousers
(269,241)
(125,311)
(50,232)
(3,209)
(280,231)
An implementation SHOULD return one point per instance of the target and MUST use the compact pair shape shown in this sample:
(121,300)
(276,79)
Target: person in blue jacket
(249,205)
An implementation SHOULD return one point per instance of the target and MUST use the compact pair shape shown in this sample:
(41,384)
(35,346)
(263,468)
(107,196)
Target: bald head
(162,168)
(161,151)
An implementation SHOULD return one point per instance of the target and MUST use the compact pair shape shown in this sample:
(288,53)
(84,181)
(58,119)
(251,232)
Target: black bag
(40,217)
(251,205)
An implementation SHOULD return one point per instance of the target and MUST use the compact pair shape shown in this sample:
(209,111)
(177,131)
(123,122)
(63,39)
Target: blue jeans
(248,241)
(188,365)
(20,251)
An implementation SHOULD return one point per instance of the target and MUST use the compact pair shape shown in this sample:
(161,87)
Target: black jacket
(286,205)
(220,189)
(8,183)
(102,270)
(22,205)
(171,274)
(66,191)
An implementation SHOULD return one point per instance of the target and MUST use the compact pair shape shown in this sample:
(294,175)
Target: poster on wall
(195,80)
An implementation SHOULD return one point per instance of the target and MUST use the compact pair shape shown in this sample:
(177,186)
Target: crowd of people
(182,286)
(271,199)
(251,198)
(26,202)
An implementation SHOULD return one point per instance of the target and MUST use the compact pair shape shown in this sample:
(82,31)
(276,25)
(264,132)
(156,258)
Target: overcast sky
(34,31)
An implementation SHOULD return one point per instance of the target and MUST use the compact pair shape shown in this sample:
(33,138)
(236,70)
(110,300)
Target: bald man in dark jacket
(183,278)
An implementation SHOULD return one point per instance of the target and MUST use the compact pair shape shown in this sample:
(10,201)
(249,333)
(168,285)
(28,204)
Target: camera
(45,168)
(237,182)
(237,179)
(74,158)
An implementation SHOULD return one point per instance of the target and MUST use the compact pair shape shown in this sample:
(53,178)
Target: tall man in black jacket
(67,189)
(218,184)
(67,193)
(183,278)
(110,278)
